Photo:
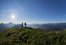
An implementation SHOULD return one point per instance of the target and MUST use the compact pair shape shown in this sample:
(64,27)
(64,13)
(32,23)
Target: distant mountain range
(9,25)
(5,26)
(49,26)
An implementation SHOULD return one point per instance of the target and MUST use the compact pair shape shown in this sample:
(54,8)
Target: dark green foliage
(30,36)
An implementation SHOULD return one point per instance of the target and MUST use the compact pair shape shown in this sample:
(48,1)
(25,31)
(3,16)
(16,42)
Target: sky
(33,11)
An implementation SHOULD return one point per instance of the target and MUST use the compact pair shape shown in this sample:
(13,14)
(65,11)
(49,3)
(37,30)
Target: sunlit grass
(30,36)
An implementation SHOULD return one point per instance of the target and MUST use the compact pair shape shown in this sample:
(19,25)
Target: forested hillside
(30,36)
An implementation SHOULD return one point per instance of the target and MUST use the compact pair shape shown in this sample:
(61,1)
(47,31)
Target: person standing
(22,24)
(25,24)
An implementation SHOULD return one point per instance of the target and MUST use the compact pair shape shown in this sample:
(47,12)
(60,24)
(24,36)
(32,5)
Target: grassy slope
(29,36)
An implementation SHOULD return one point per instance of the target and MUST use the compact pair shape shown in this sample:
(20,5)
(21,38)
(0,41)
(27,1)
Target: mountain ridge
(49,26)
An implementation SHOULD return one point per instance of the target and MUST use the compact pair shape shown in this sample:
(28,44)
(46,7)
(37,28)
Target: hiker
(25,24)
(22,24)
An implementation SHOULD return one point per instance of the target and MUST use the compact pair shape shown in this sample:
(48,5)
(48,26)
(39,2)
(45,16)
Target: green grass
(30,36)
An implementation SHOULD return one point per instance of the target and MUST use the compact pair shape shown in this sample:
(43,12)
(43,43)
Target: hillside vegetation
(30,36)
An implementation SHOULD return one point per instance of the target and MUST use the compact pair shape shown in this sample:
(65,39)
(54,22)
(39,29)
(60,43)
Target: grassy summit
(30,36)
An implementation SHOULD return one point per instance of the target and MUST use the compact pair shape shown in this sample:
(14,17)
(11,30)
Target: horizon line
(31,23)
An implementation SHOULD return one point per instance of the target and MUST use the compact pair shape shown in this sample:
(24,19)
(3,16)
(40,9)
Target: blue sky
(33,11)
